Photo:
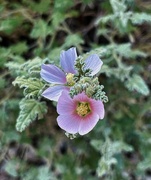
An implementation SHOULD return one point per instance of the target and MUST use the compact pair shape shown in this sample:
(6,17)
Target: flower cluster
(78,93)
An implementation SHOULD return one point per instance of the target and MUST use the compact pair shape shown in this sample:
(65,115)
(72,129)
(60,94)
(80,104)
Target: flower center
(69,78)
(83,109)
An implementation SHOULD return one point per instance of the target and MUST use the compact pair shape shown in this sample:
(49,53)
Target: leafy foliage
(126,51)
(30,109)
(138,84)
(45,174)
(108,150)
(119,32)
(33,87)
(40,29)
(139,18)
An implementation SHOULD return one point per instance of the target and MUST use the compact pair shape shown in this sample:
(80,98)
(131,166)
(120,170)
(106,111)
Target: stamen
(83,109)
(69,78)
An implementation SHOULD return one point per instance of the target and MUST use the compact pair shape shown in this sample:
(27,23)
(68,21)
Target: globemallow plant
(76,89)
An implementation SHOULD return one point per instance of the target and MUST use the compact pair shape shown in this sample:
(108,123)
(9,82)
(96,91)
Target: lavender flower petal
(53,93)
(67,60)
(94,63)
(52,74)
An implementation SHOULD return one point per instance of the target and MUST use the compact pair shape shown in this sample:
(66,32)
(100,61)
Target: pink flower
(63,79)
(80,114)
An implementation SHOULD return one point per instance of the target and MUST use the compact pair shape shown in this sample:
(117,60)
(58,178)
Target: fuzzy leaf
(32,86)
(4,53)
(19,48)
(41,29)
(10,168)
(119,146)
(139,18)
(121,73)
(97,144)
(145,164)
(104,166)
(40,6)
(105,19)
(9,25)
(108,150)
(34,65)
(126,51)
(45,174)
(60,11)
(15,68)
(30,110)
(138,84)
(73,40)
(118,6)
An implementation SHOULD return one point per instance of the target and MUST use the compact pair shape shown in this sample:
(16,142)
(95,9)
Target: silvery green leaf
(137,83)
(30,110)
(32,86)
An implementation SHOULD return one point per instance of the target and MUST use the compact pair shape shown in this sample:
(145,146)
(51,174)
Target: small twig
(4,74)
(22,11)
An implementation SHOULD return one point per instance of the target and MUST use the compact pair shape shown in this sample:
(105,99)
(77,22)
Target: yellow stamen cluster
(83,109)
(69,78)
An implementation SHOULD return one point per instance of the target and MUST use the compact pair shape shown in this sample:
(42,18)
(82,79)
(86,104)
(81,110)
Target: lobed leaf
(140,18)
(138,84)
(145,164)
(30,110)
(4,54)
(32,86)
(108,150)
(118,6)
(126,51)
(44,173)
(73,40)
(40,29)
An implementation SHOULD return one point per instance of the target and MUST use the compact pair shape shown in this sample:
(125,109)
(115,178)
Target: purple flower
(80,114)
(63,79)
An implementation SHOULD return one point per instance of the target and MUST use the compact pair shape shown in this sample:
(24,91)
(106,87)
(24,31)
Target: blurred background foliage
(119,146)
